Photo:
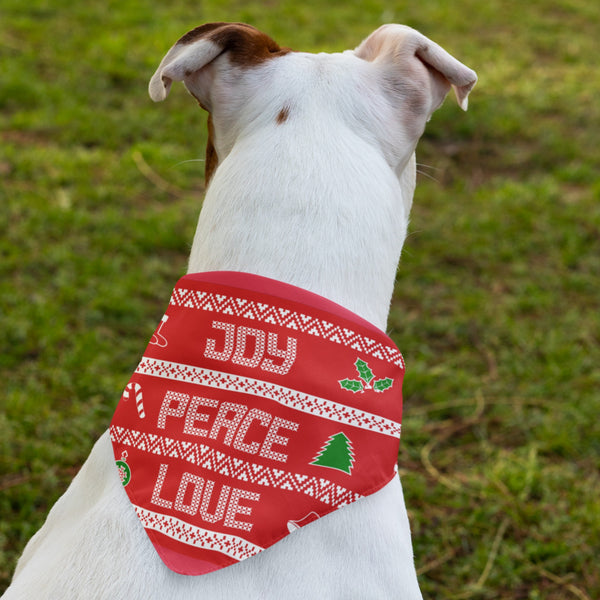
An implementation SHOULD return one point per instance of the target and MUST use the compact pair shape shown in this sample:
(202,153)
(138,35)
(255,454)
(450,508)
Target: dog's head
(384,91)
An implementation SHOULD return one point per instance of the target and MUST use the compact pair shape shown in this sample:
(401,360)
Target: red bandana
(257,408)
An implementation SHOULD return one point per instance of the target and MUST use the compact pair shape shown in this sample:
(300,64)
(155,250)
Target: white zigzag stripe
(294,399)
(204,456)
(236,547)
(258,311)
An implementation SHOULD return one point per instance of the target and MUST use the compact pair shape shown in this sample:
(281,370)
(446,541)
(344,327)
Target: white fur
(319,199)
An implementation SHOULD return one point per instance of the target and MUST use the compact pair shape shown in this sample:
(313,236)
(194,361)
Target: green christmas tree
(336,453)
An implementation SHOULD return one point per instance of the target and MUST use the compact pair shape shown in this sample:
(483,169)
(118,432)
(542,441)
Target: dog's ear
(189,58)
(404,51)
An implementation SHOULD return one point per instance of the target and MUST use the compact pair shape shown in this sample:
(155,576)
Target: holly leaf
(383,384)
(351,384)
(363,370)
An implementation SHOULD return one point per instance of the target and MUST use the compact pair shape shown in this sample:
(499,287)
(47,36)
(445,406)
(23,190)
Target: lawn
(497,300)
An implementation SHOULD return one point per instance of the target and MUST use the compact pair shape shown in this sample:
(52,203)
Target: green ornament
(123,468)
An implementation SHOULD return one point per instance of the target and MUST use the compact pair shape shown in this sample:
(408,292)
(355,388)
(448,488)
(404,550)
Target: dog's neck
(311,155)
(334,229)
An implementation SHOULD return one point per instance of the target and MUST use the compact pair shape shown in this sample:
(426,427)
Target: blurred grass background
(496,306)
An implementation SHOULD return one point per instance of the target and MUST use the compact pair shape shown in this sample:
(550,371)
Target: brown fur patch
(283,115)
(212,160)
(201,31)
(245,45)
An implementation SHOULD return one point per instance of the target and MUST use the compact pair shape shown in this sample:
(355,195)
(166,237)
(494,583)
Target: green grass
(496,306)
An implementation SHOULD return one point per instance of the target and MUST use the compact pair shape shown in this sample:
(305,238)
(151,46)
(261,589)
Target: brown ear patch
(199,32)
(246,46)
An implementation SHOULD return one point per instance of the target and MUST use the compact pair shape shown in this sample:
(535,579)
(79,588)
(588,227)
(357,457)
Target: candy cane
(158,339)
(139,399)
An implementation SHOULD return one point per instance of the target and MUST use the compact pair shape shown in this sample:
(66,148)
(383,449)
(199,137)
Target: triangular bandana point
(232,414)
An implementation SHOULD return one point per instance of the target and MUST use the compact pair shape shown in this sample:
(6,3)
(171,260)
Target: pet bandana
(257,408)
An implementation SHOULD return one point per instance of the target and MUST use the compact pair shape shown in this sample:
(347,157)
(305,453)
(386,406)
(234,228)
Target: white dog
(311,167)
